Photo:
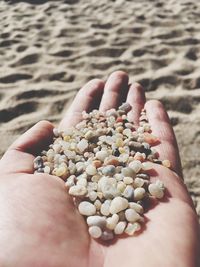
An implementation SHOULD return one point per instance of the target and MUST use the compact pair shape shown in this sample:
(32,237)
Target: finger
(136,98)
(88,98)
(161,127)
(115,91)
(19,156)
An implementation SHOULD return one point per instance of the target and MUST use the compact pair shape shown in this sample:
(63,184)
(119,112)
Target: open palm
(39,226)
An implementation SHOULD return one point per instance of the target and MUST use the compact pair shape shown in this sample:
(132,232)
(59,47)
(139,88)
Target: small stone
(112,221)
(156,191)
(78,190)
(121,186)
(96,221)
(91,170)
(92,195)
(82,145)
(128,192)
(118,204)
(136,165)
(97,163)
(55,132)
(109,170)
(138,182)
(132,228)
(86,208)
(119,142)
(82,182)
(128,172)
(147,166)
(131,215)
(125,107)
(150,138)
(62,172)
(101,155)
(105,208)
(95,231)
(166,163)
(128,180)
(137,207)
(139,193)
(89,135)
(119,228)
(97,203)
(47,169)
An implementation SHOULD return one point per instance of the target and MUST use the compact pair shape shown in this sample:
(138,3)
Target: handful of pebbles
(104,161)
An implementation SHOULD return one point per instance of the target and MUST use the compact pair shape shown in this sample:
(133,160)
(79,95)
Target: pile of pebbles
(104,161)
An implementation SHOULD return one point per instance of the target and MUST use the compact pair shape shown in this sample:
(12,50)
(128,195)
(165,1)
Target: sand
(48,50)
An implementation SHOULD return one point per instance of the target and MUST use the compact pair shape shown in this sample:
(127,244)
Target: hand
(38,223)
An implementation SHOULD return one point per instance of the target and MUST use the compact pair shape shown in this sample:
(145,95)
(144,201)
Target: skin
(39,226)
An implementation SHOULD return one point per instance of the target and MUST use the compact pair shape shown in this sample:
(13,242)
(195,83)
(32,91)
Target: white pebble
(128,192)
(136,165)
(82,145)
(138,182)
(139,193)
(147,166)
(112,221)
(118,204)
(95,231)
(82,181)
(128,172)
(78,190)
(91,170)
(137,207)
(156,191)
(96,221)
(86,208)
(131,215)
(105,208)
(92,195)
(128,180)
(101,155)
(119,228)
(132,228)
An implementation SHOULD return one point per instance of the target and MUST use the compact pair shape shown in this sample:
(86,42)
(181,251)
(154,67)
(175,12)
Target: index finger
(161,127)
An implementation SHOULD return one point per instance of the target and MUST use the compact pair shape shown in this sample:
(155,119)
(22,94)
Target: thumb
(19,156)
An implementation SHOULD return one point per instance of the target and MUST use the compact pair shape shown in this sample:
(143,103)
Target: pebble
(128,180)
(131,215)
(109,170)
(78,190)
(96,221)
(86,208)
(139,193)
(137,207)
(112,221)
(118,204)
(138,182)
(128,172)
(119,228)
(62,172)
(136,165)
(91,170)
(92,195)
(132,228)
(101,155)
(125,107)
(82,145)
(105,208)
(156,191)
(128,192)
(147,166)
(95,231)
(166,163)
(107,235)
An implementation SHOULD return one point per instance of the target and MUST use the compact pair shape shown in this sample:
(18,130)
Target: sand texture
(48,50)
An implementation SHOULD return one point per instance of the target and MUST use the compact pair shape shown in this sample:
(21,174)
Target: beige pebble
(112,221)
(131,215)
(128,180)
(147,166)
(86,208)
(97,203)
(78,190)
(62,172)
(121,186)
(132,228)
(166,163)
(96,221)
(92,195)
(156,191)
(82,145)
(105,208)
(128,172)
(82,182)
(119,228)
(101,155)
(137,207)
(95,231)
(138,182)
(91,170)
(118,204)
(136,165)
(139,193)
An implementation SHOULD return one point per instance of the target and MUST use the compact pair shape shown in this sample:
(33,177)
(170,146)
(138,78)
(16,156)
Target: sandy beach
(49,50)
